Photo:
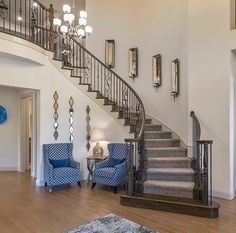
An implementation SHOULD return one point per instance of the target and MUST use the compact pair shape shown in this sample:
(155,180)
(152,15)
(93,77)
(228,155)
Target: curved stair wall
(25,65)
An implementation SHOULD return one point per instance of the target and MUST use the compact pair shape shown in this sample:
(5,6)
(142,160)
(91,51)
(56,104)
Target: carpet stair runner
(168,169)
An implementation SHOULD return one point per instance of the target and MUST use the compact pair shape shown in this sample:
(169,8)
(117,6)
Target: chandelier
(68,28)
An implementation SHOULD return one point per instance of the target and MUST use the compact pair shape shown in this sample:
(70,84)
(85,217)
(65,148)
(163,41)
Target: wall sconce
(175,78)
(97,136)
(156,70)
(133,62)
(110,53)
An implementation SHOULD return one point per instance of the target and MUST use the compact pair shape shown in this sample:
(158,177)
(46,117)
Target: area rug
(111,223)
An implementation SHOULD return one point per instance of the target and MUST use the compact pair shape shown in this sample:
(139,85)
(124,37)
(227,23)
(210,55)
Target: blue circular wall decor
(3,114)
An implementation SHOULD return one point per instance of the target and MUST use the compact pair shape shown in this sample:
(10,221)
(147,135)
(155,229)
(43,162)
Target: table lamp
(97,136)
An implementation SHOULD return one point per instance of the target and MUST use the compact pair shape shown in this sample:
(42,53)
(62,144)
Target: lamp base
(97,150)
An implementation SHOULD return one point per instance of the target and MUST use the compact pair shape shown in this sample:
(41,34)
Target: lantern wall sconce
(156,70)
(175,78)
(110,53)
(133,63)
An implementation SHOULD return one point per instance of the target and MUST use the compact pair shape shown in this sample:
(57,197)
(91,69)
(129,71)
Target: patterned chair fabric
(115,176)
(61,175)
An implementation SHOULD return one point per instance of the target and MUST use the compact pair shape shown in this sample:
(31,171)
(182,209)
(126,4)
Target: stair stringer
(92,95)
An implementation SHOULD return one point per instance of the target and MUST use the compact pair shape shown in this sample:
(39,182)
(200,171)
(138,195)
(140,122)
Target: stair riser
(157,135)
(170,177)
(134,121)
(155,144)
(185,193)
(153,128)
(168,164)
(181,153)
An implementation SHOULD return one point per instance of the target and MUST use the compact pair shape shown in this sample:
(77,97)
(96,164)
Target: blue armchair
(113,170)
(59,167)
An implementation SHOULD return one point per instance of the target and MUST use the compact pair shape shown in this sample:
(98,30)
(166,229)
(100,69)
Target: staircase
(168,169)
(160,175)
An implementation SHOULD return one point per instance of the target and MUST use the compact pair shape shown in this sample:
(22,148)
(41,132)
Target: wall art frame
(88,128)
(71,119)
(55,115)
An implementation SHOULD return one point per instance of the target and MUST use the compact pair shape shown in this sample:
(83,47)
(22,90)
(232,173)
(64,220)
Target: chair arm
(120,166)
(120,171)
(102,164)
(75,164)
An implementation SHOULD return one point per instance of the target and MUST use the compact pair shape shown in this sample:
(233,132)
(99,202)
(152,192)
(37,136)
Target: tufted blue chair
(59,166)
(113,170)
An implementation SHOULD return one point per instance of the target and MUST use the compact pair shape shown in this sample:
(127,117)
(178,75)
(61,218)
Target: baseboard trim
(8,169)
(40,183)
(224,195)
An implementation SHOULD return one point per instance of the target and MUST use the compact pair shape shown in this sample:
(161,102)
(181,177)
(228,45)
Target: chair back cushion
(58,151)
(56,163)
(118,151)
(113,162)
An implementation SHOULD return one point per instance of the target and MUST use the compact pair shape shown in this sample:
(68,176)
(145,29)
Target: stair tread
(157,132)
(162,139)
(152,125)
(166,148)
(171,170)
(159,159)
(170,184)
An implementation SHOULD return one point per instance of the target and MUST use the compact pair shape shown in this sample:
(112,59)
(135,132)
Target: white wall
(196,32)
(8,130)
(154,26)
(21,72)
(209,83)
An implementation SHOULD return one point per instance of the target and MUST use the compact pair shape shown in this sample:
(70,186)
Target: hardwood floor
(25,208)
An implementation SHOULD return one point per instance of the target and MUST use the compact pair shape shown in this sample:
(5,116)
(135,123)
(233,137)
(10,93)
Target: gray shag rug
(111,223)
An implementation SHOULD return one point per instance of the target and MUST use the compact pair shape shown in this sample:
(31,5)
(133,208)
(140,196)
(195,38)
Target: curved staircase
(160,175)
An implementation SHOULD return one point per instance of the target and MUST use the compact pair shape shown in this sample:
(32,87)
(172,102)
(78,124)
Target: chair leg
(50,190)
(115,189)
(79,184)
(93,185)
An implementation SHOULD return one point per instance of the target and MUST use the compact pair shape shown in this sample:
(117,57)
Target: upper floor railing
(28,19)
(31,20)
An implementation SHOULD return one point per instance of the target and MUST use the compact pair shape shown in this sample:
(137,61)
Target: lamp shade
(98,135)
(88,29)
(57,22)
(66,9)
(83,14)
(69,18)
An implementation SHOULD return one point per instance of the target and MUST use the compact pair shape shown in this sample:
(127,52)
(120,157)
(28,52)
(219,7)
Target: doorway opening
(28,126)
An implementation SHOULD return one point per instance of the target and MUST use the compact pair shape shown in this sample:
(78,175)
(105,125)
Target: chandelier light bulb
(83,14)
(35,4)
(69,18)
(56,22)
(80,32)
(82,21)
(64,29)
(66,9)
(19,18)
(88,29)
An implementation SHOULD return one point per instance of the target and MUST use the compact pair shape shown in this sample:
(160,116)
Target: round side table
(91,160)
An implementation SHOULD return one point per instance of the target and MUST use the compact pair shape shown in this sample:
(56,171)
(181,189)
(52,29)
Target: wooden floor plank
(25,208)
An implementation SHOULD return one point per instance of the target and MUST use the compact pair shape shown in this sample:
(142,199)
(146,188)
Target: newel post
(130,169)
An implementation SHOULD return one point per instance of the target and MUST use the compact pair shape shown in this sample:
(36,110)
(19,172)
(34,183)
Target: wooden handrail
(139,137)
